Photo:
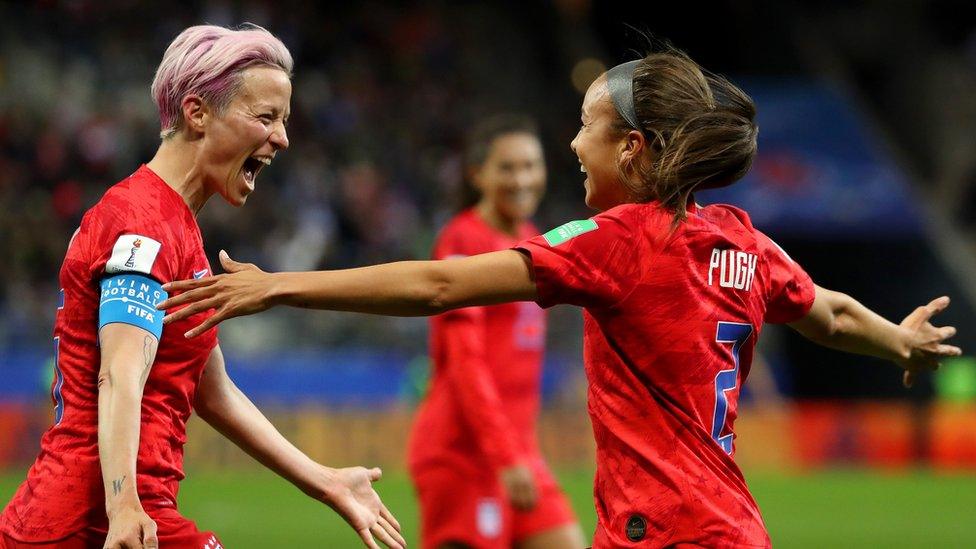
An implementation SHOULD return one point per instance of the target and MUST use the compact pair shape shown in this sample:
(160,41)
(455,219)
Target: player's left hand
(242,290)
(353,497)
(925,342)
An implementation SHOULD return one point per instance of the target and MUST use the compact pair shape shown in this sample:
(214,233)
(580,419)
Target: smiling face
(242,140)
(512,178)
(599,146)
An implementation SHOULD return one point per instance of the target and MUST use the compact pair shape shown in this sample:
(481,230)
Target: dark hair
(478,145)
(700,127)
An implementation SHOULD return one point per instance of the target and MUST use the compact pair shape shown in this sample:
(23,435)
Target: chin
(236,200)
(588,199)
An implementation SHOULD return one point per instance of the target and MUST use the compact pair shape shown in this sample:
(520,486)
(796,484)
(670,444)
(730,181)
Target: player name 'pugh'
(736,269)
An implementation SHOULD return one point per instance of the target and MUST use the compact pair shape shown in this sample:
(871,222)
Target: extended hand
(353,497)
(131,528)
(926,342)
(242,291)
(520,486)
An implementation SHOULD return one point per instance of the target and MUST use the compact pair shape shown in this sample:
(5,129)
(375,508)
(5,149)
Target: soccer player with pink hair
(109,468)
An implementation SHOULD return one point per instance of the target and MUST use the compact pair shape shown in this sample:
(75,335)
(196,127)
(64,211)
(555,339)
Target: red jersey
(670,322)
(139,225)
(484,394)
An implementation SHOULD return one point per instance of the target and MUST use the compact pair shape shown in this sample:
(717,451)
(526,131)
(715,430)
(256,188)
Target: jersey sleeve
(128,238)
(790,289)
(591,263)
(465,368)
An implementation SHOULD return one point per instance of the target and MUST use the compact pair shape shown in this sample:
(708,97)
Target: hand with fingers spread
(520,486)
(353,497)
(243,290)
(131,528)
(924,342)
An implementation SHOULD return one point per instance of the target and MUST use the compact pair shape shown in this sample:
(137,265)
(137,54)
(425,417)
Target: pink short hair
(208,60)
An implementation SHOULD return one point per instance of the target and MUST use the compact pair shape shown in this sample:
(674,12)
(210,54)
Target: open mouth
(252,166)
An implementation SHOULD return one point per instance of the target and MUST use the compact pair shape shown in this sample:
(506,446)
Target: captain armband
(131,298)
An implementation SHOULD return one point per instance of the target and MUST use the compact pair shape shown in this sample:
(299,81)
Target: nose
(523,178)
(572,144)
(279,137)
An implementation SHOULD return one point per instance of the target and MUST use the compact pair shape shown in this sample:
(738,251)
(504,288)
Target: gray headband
(620,81)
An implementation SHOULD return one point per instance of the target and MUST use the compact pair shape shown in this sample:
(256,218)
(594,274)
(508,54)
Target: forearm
(410,288)
(406,288)
(234,416)
(840,322)
(227,409)
(120,390)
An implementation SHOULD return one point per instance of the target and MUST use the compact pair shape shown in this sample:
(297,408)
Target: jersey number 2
(737,334)
(58,375)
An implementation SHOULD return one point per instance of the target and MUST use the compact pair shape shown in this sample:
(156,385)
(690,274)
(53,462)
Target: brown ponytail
(700,129)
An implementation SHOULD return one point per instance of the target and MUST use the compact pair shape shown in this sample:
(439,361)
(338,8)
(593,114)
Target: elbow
(439,296)
(838,323)
(207,405)
(104,379)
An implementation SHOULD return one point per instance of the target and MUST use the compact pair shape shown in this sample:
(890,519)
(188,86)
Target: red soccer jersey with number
(483,402)
(140,225)
(670,322)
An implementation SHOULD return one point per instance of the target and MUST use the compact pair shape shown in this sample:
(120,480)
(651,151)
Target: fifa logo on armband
(131,263)
(735,269)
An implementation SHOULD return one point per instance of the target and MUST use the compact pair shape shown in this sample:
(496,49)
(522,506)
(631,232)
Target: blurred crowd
(382,98)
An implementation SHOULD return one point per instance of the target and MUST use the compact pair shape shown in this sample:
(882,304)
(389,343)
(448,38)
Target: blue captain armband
(131,298)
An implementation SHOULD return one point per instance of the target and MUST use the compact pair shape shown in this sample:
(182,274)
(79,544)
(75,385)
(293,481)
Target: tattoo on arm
(147,351)
(117,485)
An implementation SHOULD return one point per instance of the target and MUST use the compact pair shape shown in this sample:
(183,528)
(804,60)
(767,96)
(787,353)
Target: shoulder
(463,222)
(464,234)
(727,215)
(629,220)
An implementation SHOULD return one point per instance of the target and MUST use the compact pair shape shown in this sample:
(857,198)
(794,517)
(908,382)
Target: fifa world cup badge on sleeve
(133,253)
(569,231)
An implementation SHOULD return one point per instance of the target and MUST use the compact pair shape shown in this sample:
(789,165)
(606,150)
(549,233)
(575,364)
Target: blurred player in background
(674,296)
(109,468)
(473,456)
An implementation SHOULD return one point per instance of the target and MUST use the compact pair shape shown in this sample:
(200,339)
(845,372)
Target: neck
(495,220)
(177,164)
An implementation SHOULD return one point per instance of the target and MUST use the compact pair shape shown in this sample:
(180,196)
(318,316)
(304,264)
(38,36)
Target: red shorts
(459,505)
(172,529)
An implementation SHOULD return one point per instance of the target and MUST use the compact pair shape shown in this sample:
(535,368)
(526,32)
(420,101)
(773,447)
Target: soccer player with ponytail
(674,297)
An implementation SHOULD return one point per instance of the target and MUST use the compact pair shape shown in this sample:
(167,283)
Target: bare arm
(221,403)
(840,322)
(127,354)
(406,288)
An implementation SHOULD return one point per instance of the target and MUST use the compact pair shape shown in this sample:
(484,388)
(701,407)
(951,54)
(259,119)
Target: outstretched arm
(840,322)
(406,288)
(349,491)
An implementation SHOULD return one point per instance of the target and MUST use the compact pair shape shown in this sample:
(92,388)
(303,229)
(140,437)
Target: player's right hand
(925,342)
(241,291)
(520,486)
(131,528)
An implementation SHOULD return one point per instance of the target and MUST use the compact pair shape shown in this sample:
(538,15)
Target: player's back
(672,312)
(140,225)
(679,346)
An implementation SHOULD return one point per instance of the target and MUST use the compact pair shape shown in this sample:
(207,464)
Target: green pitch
(830,509)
